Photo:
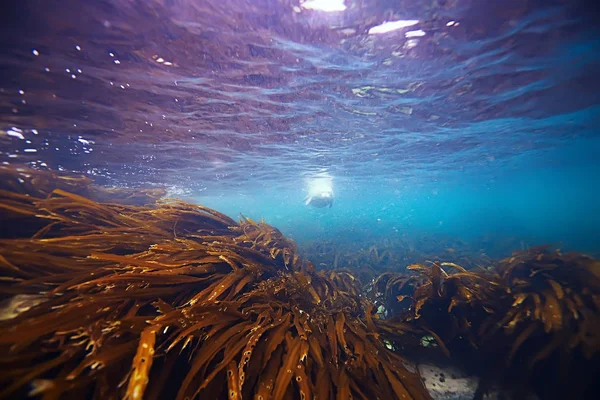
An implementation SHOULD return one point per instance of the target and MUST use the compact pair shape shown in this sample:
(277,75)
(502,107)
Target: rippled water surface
(474,118)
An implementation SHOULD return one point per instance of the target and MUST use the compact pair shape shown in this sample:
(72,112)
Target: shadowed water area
(476,121)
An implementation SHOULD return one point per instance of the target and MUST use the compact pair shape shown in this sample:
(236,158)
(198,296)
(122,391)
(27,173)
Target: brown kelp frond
(538,310)
(281,326)
(39,184)
(172,300)
(439,285)
(557,293)
(269,241)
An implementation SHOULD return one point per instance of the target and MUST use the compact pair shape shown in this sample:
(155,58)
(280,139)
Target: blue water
(479,121)
(552,200)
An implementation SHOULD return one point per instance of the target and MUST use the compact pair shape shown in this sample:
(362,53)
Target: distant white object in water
(320,191)
(320,200)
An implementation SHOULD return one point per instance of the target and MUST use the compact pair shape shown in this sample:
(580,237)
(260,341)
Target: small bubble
(79,70)
(117,62)
(21,92)
(111,54)
(46,69)
(77,47)
(73,76)
(35,52)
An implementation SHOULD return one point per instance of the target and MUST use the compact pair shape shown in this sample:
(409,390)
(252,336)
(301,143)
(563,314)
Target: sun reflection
(161,60)
(417,33)
(392,26)
(324,5)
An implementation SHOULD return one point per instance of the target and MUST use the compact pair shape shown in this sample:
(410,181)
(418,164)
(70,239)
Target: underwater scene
(299,199)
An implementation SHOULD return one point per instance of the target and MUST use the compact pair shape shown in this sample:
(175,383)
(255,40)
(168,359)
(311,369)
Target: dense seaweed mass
(133,296)
(173,300)
(531,322)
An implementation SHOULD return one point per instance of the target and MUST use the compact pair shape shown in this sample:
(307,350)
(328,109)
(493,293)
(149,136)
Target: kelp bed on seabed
(129,296)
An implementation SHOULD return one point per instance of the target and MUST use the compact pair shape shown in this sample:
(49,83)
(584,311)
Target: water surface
(476,120)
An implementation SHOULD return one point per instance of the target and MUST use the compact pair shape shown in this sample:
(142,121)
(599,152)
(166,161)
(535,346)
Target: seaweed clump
(174,300)
(530,323)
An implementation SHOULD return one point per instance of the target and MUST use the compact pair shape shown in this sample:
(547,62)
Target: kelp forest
(125,294)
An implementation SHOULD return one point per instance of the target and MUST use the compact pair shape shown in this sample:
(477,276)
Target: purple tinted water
(477,108)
